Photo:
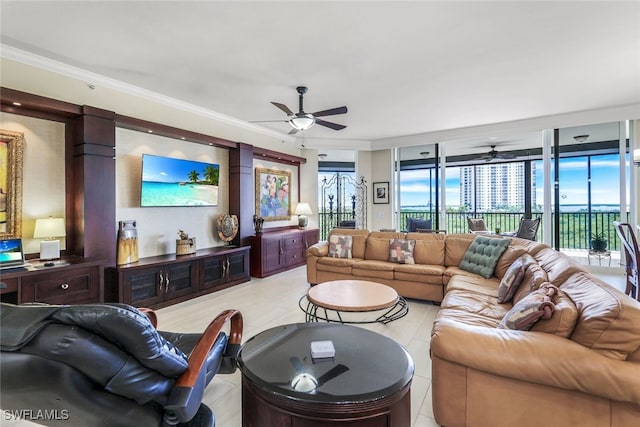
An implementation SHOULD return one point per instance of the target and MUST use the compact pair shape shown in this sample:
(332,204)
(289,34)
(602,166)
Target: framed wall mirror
(11,152)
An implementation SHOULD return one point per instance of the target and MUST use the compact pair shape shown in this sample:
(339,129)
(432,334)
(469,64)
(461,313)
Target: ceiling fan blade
(268,121)
(334,126)
(283,108)
(293,131)
(330,112)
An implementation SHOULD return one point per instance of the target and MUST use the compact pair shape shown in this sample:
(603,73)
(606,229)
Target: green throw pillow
(483,255)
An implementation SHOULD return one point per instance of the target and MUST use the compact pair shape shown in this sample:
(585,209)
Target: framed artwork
(380,192)
(11,151)
(272,194)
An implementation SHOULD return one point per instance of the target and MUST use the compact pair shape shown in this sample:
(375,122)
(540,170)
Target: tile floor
(273,301)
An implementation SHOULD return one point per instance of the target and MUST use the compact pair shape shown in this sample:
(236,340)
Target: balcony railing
(574,226)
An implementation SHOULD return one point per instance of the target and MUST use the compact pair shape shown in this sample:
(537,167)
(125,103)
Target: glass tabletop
(367,366)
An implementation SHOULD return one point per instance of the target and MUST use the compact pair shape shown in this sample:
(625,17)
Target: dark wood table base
(263,409)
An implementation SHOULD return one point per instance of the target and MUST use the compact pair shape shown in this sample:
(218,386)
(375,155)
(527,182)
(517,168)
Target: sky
(166,169)
(573,183)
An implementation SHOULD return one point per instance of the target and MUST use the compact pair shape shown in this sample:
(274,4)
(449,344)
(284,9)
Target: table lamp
(49,229)
(302,210)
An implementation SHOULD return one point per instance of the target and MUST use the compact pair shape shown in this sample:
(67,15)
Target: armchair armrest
(185,398)
(319,249)
(153,317)
(201,350)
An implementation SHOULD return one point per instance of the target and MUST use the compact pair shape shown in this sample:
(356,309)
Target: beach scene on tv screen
(177,182)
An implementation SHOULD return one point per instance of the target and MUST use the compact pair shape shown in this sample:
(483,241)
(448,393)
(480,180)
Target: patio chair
(477,225)
(528,228)
(631,255)
(107,365)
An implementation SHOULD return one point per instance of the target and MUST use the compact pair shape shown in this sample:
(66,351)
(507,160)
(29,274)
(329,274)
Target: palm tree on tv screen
(194,176)
(212,175)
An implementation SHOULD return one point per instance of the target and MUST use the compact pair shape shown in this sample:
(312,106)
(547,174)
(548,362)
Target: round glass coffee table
(329,301)
(367,382)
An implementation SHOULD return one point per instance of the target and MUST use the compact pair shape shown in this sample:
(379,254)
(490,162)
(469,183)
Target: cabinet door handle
(65,286)
(161,282)
(166,282)
(228,265)
(224,269)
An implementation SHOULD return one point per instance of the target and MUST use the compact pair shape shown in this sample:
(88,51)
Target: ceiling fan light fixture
(581,138)
(302,121)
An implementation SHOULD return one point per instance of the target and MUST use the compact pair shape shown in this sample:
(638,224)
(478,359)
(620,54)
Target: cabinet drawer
(61,288)
(294,257)
(293,242)
(8,285)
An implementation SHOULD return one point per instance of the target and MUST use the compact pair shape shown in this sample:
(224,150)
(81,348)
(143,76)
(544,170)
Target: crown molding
(70,71)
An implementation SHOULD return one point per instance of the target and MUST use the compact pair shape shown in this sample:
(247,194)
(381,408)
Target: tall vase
(127,242)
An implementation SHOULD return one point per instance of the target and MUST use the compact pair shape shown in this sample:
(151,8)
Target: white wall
(381,171)
(158,226)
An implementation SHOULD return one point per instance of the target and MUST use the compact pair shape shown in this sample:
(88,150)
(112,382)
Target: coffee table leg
(399,310)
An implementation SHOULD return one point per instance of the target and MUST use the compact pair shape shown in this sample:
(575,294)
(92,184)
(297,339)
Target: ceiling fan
(495,154)
(303,121)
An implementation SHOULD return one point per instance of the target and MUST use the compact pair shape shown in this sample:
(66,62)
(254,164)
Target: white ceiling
(402,68)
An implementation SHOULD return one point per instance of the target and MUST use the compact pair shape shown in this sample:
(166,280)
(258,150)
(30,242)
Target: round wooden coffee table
(354,296)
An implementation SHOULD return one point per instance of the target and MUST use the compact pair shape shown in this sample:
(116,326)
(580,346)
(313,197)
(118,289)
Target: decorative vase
(258,221)
(127,242)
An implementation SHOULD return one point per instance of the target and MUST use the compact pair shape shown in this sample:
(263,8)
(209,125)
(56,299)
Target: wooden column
(94,184)
(241,192)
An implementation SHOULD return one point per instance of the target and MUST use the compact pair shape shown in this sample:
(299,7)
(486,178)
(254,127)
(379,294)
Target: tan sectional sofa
(581,367)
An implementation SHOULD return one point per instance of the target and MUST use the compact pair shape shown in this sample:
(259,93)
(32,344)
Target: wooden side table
(366,383)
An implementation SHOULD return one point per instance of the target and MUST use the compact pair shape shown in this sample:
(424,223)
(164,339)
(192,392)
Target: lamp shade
(49,228)
(303,209)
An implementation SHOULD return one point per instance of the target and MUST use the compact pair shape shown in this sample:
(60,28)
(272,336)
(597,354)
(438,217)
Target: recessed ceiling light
(150,131)
(17,104)
(493,138)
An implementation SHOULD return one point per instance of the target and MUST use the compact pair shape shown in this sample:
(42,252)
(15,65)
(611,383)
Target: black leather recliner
(107,365)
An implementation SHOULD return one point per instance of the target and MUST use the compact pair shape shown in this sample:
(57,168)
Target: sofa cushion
(557,265)
(475,283)
(534,276)
(340,246)
(429,248)
(336,265)
(475,303)
(512,279)
(401,251)
(564,319)
(483,254)
(377,249)
(535,306)
(608,320)
(359,238)
(510,255)
(456,246)
(374,269)
(418,273)
(414,223)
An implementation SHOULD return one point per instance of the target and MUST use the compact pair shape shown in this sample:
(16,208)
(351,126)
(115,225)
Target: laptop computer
(11,254)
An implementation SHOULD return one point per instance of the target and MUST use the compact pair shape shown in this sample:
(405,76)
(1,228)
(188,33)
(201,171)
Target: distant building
(494,186)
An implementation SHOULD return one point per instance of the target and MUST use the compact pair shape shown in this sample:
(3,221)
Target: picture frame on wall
(380,192)
(11,152)
(273,202)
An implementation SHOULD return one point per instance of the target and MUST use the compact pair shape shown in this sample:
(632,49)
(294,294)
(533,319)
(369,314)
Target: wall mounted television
(177,182)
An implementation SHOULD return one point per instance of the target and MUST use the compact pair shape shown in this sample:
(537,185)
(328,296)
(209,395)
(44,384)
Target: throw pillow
(535,306)
(482,255)
(512,279)
(414,223)
(401,251)
(476,224)
(340,246)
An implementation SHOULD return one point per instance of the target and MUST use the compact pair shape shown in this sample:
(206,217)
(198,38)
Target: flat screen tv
(177,182)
